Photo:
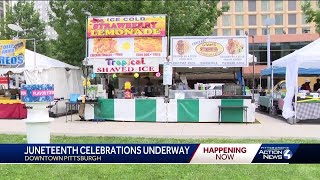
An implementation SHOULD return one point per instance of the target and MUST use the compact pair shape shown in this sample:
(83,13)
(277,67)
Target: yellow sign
(126,26)
(12,52)
(209,49)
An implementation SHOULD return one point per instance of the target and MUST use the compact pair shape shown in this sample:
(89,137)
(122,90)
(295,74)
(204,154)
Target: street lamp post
(88,14)
(18,29)
(268,22)
(253,64)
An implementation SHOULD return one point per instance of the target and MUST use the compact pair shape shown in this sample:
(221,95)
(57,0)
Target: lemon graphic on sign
(126,46)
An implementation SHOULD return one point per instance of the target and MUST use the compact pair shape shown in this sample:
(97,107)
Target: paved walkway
(267,128)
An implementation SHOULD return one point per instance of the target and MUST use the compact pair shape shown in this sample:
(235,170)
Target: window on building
(278,19)
(306,30)
(265,5)
(303,19)
(226,3)
(278,5)
(252,6)
(292,19)
(215,32)
(252,20)
(264,31)
(238,6)
(292,5)
(292,30)
(226,32)
(253,32)
(239,32)
(226,20)
(278,30)
(239,20)
(263,18)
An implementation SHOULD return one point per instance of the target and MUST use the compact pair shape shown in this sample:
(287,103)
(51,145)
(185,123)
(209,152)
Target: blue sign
(97,153)
(37,93)
(93,75)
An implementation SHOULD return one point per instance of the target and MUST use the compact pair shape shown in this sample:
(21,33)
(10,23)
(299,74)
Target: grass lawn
(157,171)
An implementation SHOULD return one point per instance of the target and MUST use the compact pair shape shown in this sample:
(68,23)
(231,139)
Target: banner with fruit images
(133,47)
(209,51)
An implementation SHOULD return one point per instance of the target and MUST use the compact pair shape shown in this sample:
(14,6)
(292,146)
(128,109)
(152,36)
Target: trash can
(38,123)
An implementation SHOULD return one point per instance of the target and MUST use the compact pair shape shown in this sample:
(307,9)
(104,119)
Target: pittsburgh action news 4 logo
(287,154)
(275,153)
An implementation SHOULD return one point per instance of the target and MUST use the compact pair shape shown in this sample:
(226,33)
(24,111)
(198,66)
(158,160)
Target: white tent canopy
(307,57)
(40,69)
(252,58)
(39,62)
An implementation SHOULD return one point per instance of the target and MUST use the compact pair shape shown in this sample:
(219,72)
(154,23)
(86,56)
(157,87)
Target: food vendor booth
(34,68)
(12,56)
(297,106)
(137,61)
(279,89)
(210,101)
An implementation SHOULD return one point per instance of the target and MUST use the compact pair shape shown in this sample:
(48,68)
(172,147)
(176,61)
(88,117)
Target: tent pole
(272,90)
(253,69)
(260,88)
(295,100)
(166,89)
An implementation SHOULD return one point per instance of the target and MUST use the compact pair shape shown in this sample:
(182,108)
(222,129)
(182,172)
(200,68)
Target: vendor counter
(307,108)
(12,109)
(177,110)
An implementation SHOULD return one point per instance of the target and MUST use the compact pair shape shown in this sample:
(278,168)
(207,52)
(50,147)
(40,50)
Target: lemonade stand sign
(133,47)
(208,51)
(126,26)
(127,36)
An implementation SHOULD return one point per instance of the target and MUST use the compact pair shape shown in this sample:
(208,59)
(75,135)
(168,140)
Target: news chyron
(160,153)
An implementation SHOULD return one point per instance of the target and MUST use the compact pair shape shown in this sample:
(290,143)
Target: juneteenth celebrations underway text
(101,150)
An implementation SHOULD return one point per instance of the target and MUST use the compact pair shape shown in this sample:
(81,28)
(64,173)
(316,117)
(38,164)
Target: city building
(44,8)
(289,32)
(249,15)
(4,6)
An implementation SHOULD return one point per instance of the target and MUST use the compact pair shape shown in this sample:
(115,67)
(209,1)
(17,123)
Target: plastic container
(74,97)
(38,123)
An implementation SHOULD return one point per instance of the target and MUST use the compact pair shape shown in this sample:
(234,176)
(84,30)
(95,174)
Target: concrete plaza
(266,127)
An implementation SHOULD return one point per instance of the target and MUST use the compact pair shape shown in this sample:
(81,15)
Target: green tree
(24,14)
(193,17)
(312,15)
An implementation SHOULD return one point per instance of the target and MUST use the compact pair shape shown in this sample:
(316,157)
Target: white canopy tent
(252,58)
(40,69)
(307,57)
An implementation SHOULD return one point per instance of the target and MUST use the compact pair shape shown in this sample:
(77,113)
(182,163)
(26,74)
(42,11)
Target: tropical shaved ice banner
(12,53)
(126,26)
(160,153)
